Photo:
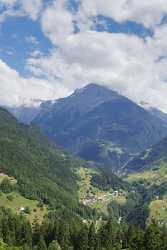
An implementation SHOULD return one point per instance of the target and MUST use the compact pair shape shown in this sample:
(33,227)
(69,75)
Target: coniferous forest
(68,233)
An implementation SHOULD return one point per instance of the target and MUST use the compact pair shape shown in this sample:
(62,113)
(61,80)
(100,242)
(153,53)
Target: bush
(10,197)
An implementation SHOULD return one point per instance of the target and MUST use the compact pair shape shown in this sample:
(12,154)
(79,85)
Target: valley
(83,125)
(111,182)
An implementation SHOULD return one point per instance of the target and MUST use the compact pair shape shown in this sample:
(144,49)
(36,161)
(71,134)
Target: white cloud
(57,21)
(126,63)
(148,12)
(30,8)
(16,90)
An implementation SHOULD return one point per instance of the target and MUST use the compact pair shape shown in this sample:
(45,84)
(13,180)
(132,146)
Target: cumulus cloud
(149,12)
(13,8)
(16,90)
(126,63)
(32,8)
(57,21)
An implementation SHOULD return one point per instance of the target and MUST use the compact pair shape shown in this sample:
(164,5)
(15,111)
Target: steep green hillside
(42,171)
(149,171)
(10,198)
(49,184)
(36,169)
(151,158)
(153,185)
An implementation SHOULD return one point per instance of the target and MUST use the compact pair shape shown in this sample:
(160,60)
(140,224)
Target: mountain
(25,114)
(100,125)
(49,198)
(154,111)
(40,171)
(148,171)
(159,114)
(152,158)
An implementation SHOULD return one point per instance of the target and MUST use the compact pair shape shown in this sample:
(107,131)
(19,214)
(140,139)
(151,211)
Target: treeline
(70,233)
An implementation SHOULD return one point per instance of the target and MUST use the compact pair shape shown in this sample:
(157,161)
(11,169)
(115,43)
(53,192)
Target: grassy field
(158,211)
(15,201)
(150,177)
(4,176)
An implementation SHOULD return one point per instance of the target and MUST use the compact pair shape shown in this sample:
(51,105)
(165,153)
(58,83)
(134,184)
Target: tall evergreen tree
(153,239)
(83,239)
(41,244)
(92,237)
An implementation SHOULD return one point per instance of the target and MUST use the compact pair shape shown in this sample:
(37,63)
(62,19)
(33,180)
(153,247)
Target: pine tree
(153,238)
(36,231)
(83,239)
(64,235)
(107,235)
(136,239)
(41,244)
(92,237)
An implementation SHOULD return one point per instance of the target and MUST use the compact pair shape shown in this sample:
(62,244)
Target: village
(91,198)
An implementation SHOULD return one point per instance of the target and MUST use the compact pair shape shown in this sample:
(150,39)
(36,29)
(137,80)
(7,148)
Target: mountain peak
(100,125)
(94,87)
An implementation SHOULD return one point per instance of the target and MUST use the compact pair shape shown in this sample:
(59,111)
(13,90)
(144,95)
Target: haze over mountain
(24,114)
(100,125)
(154,111)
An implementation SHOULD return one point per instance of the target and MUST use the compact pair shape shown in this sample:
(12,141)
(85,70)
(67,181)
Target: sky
(48,48)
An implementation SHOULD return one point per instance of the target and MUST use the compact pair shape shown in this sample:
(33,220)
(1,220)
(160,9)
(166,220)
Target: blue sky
(15,47)
(16,44)
(127,27)
(50,47)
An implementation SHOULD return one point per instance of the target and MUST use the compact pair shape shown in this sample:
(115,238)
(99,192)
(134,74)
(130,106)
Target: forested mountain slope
(152,158)
(42,170)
